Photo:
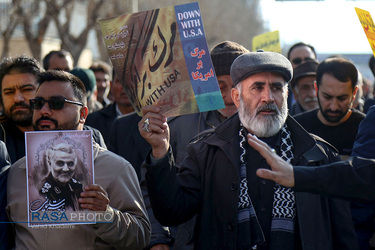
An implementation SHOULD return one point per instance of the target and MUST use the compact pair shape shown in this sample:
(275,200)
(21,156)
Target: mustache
(268,107)
(46,119)
(309,99)
(20,104)
(65,173)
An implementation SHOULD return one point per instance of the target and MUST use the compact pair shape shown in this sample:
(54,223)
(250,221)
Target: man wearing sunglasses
(301,52)
(18,86)
(60,104)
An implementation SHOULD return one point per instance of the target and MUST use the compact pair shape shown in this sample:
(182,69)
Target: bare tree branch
(31,12)
(75,44)
(14,20)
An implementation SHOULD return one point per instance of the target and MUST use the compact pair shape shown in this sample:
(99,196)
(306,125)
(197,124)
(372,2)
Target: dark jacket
(102,120)
(14,140)
(6,236)
(208,185)
(65,195)
(182,130)
(352,179)
(368,104)
(364,145)
(126,141)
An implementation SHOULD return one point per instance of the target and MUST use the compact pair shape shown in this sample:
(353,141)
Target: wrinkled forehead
(63,156)
(267,78)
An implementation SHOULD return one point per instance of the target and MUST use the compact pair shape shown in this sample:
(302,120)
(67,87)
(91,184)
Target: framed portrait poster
(58,165)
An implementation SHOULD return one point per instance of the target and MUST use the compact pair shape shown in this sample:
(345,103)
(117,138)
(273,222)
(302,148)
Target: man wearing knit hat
(217,182)
(222,56)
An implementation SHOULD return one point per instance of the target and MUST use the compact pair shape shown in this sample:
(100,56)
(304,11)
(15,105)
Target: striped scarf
(250,233)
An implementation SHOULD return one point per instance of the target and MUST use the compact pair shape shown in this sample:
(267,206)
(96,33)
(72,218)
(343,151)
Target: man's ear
(83,114)
(355,92)
(316,88)
(235,94)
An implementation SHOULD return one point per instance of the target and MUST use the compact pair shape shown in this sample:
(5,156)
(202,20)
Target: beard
(20,117)
(71,124)
(62,176)
(263,125)
(329,118)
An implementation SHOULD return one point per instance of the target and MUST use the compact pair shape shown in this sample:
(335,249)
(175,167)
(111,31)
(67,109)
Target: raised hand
(282,171)
(154,128)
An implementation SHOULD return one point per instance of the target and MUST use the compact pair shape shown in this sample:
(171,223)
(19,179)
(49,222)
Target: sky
(331,26)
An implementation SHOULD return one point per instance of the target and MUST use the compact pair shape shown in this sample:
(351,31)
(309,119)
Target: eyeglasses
(55,104)
(299,60)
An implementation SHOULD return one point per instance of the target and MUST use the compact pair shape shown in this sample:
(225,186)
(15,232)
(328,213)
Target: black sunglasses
(299,60)
(55,104)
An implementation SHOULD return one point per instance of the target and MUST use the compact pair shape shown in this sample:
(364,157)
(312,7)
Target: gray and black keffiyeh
(283,213)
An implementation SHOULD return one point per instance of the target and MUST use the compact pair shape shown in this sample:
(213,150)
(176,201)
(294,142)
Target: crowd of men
(193,181)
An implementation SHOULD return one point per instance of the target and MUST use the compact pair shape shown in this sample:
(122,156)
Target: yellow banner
(269,41)
(368,26)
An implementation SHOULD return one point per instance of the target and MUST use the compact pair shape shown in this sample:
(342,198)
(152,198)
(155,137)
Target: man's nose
(334,105)
(65,167)
(45,108)
(18,97)
(267,95)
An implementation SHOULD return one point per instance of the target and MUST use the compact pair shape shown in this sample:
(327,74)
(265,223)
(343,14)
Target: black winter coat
(208,181)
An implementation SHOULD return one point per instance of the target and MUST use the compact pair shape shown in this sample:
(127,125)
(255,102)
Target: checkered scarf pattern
(283,212)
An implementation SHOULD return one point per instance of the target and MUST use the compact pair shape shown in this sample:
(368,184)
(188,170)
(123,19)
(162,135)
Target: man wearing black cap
(303,88)
(217,181)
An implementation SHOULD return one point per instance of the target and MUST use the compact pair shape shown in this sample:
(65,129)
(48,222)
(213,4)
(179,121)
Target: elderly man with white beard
(217,181)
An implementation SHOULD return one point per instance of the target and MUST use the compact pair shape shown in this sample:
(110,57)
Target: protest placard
(368,26)
(58,165)
(269,41)
(162,58)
